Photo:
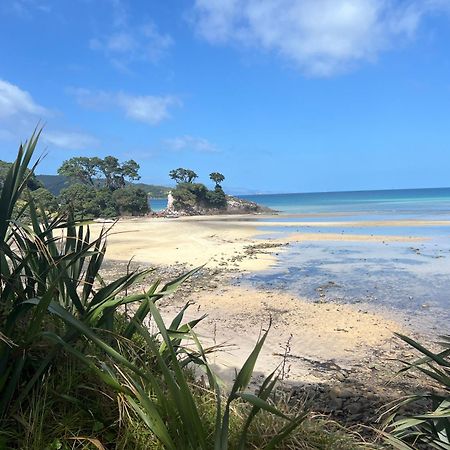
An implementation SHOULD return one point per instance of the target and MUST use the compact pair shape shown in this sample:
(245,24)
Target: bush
(189,195)
(216,198)
(197,195)
(43,197)
(88,202)
(131,200)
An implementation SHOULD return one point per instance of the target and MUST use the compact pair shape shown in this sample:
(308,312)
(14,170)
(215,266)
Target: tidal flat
(334,298)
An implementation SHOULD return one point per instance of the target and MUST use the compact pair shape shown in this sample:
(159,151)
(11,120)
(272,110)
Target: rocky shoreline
(234,206)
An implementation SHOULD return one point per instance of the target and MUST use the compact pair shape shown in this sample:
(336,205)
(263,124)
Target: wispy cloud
(321,37)
(191,143)
(25,9)
(20,113)
(128,42)
(149,109)
(15,101)
(70,140)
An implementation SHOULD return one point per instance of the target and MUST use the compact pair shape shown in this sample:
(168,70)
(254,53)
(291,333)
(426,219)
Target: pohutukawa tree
(89,170)
(181,175)
(217,177)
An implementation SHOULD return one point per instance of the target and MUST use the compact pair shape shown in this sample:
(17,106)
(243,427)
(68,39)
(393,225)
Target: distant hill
(54,183)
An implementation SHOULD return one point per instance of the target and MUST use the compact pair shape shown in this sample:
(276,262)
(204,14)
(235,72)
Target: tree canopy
(188,195)
(96,171)
(217,177)
(181,175)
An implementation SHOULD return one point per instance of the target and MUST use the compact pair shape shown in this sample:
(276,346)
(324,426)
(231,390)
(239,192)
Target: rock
(335,392)
(340,376)
(355,408)
(336,404)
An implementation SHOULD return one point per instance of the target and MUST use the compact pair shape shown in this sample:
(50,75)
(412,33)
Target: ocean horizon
(388,201)
(421,201)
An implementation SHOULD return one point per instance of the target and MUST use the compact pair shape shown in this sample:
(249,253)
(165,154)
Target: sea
(411,278)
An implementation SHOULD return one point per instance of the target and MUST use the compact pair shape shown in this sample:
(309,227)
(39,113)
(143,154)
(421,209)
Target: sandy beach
(319,346)
(215,241)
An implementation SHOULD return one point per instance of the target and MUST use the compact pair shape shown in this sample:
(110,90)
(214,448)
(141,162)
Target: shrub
(189,195)
(88,202)
(131,200)
(216,198)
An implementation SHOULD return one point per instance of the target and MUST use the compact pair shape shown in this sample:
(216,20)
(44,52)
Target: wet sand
(320,332)
(212,240)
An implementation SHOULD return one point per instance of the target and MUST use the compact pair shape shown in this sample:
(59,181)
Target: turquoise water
(157,204)
(411,278)
(433,201)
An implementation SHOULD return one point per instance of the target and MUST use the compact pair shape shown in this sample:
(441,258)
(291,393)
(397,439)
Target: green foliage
(80,168)
(131,200)
(196,195)
(181,175)
(115,173)
(55,183)
(97,172)
(216,198)
(193,196)
(74,368)
(43,197)
(102,190)
(189,195)
(87,202)
(33,182)
(217,177)
(431,428)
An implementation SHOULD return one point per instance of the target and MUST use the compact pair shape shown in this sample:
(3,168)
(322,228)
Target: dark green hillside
(54,183)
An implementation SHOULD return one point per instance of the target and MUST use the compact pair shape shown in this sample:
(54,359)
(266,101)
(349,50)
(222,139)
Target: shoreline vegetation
(144,335)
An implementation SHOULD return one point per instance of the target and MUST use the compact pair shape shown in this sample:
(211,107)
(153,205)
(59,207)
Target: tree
(217,177)
(90,171)
(189,195)
(216,198)
(88,202)
(43,197)
(115,173)
(181,175)
(81,168)
(131,200)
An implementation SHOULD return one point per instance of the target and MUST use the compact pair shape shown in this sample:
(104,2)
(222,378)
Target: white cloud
(149,109)
(192,143)
(127,44)
(69,140)
(15,101)
(20,114)
(321,37)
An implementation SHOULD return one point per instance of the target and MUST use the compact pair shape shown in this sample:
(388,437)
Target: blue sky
(279,95)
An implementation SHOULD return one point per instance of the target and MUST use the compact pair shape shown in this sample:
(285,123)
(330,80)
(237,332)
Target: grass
(72,403)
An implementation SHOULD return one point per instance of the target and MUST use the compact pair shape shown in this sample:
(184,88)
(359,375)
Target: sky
(278,95)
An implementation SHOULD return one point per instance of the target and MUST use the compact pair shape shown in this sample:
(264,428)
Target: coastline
(216,241)
(324,346)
